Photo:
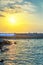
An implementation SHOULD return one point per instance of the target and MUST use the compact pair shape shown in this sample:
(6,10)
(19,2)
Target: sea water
(24,52)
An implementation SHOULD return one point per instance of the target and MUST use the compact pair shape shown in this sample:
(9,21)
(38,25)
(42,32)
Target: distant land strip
(21,35)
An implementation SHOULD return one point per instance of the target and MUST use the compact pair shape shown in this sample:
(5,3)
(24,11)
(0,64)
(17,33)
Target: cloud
(19,1)
(2,10)
(27,6)
(4,2)
(2,15)
(10,1)
(12,6)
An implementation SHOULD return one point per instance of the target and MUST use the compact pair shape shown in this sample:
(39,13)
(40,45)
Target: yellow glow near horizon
(16,19)
(17,22)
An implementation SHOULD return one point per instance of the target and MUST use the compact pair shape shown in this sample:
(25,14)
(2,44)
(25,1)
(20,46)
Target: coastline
(21,35)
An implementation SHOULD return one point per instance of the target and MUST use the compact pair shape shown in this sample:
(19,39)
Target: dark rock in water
(4,42)
(4,50)
(1,46)
(1,60)
(15,42)
(1,43)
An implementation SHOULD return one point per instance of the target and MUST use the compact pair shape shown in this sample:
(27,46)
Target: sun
(11,19)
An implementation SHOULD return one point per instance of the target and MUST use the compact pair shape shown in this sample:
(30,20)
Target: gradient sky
(27,13)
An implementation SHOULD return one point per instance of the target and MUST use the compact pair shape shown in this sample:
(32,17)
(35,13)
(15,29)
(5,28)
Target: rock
(15,42)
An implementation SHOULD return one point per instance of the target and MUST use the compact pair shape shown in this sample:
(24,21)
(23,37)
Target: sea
(24,52)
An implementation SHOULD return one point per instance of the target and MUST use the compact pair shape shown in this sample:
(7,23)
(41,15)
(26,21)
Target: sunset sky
(21,16)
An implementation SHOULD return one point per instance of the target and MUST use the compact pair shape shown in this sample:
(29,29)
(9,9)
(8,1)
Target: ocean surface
(25,52)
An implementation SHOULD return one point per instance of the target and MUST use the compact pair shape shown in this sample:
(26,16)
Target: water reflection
(25,52)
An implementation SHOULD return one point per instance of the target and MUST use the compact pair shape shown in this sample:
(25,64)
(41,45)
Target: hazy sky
(27,15)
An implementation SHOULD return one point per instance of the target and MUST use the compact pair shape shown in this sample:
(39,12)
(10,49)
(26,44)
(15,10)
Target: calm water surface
(25,52)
